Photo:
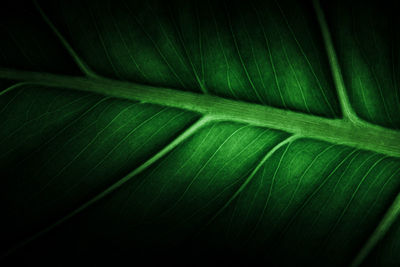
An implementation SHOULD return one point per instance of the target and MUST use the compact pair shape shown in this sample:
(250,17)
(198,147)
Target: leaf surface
(199,131)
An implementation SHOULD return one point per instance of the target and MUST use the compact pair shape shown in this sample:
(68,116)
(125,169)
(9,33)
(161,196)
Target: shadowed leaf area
(89,178)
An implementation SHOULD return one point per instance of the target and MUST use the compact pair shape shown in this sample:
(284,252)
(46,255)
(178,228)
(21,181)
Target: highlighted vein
(347,110)
(339,131)
(181,138)
(253,173)
(380,231)
(81,64)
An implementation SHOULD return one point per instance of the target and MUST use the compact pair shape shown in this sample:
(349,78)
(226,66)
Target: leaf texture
(90,178)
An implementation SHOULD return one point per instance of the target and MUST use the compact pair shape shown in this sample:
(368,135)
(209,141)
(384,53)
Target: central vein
(366,136)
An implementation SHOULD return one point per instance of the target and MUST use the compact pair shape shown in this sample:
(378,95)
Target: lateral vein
(347,110)
(253,173)
(181,138)
(81,64)
(380,231)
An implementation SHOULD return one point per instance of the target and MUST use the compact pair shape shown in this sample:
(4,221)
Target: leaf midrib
(339,131)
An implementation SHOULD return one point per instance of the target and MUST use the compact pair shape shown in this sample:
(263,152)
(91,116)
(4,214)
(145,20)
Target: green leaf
(196,132)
